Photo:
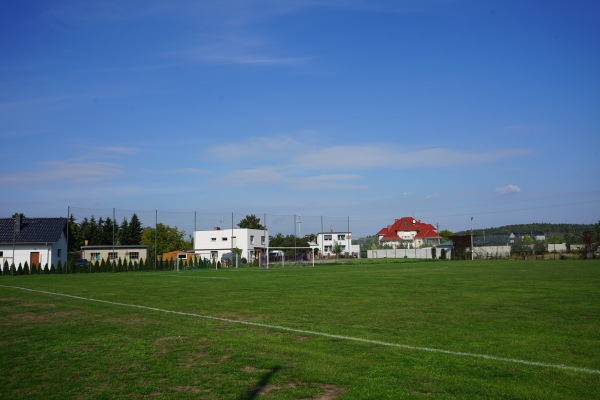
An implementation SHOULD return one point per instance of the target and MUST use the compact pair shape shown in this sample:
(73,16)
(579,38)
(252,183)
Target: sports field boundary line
(321,334)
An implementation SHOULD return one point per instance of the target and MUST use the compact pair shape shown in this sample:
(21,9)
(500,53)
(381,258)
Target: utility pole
(472,250)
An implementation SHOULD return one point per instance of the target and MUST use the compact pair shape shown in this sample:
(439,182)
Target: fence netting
(168,235)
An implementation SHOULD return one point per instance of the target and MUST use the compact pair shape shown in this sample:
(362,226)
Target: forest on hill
(560,231)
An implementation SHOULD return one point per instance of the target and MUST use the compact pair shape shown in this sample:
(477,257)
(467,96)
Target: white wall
(49,253)
(123,253)
(492,252)
(423,253)
(224,240)
(346,243)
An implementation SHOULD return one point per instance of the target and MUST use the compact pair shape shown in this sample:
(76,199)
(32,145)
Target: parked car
(81,262)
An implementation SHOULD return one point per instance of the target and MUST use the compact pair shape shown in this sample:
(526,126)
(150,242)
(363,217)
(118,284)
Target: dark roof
(32,230)
(116,247)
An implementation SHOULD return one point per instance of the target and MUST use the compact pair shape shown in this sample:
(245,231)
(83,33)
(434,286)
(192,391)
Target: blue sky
(438,109)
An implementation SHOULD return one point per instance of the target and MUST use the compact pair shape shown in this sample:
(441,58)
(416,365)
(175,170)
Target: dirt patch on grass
(41,317)
(164,340)
(189,389)
(249,368)
(332,392)
(37,304)
(129,321)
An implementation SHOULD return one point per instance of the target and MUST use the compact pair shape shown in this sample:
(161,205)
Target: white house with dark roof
(37,241)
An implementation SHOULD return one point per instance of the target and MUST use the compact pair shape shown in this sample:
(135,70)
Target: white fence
(422,253)
(492,252)
(481,252)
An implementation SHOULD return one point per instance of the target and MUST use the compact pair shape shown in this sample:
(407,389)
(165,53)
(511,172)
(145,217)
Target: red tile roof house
(407,233)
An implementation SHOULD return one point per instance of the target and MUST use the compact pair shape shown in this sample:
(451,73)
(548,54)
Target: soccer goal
(285,257)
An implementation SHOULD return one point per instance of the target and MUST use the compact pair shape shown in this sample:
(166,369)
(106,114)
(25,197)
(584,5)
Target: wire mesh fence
(169,237)
(190,221)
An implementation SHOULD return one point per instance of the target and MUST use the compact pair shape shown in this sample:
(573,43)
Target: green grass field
(386,330)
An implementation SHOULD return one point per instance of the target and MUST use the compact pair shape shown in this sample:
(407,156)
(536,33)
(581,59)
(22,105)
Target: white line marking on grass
(324,334)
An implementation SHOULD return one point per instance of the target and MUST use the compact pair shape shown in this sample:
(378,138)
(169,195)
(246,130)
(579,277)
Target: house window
(224,239)
(1,254)
(262,240)
(328,248)
(214,254)
(113,255)
(134,255)
(327,237)
(251,239)
(95,256)
(58,253)
(341,237)
(213,239)
(182,256)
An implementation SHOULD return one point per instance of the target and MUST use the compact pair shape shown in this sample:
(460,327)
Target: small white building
(213,244)
(126,253)
(37,241)
(327,241)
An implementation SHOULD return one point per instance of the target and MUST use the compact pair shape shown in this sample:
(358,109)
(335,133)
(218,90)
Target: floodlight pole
(472,252)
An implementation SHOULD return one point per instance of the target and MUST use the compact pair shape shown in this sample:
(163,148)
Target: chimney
(216,228)
(18,223)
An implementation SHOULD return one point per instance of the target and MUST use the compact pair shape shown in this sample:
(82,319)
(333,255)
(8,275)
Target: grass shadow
(262,384)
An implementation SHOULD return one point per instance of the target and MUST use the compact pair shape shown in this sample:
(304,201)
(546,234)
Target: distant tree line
(555,233)
(104,231)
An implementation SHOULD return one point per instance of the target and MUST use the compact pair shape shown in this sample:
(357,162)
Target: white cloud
(307,152)
(240,46)
(386,155)
(329,181)
(508,189)
(277,146)
(119,150)
(305,161)
(255,175)
(63,171)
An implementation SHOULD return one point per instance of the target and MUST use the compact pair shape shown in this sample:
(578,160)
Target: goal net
(286,257)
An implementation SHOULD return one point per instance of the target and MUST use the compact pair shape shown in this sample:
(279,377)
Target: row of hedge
(105,266)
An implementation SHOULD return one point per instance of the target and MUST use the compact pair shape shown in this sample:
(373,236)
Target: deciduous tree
(167,239)
(250,222)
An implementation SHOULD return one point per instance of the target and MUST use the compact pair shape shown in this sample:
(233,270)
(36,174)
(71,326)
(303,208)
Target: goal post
(277,254)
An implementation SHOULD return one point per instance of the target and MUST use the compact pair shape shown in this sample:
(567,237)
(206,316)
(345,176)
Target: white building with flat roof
(327,241)
(213,244)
